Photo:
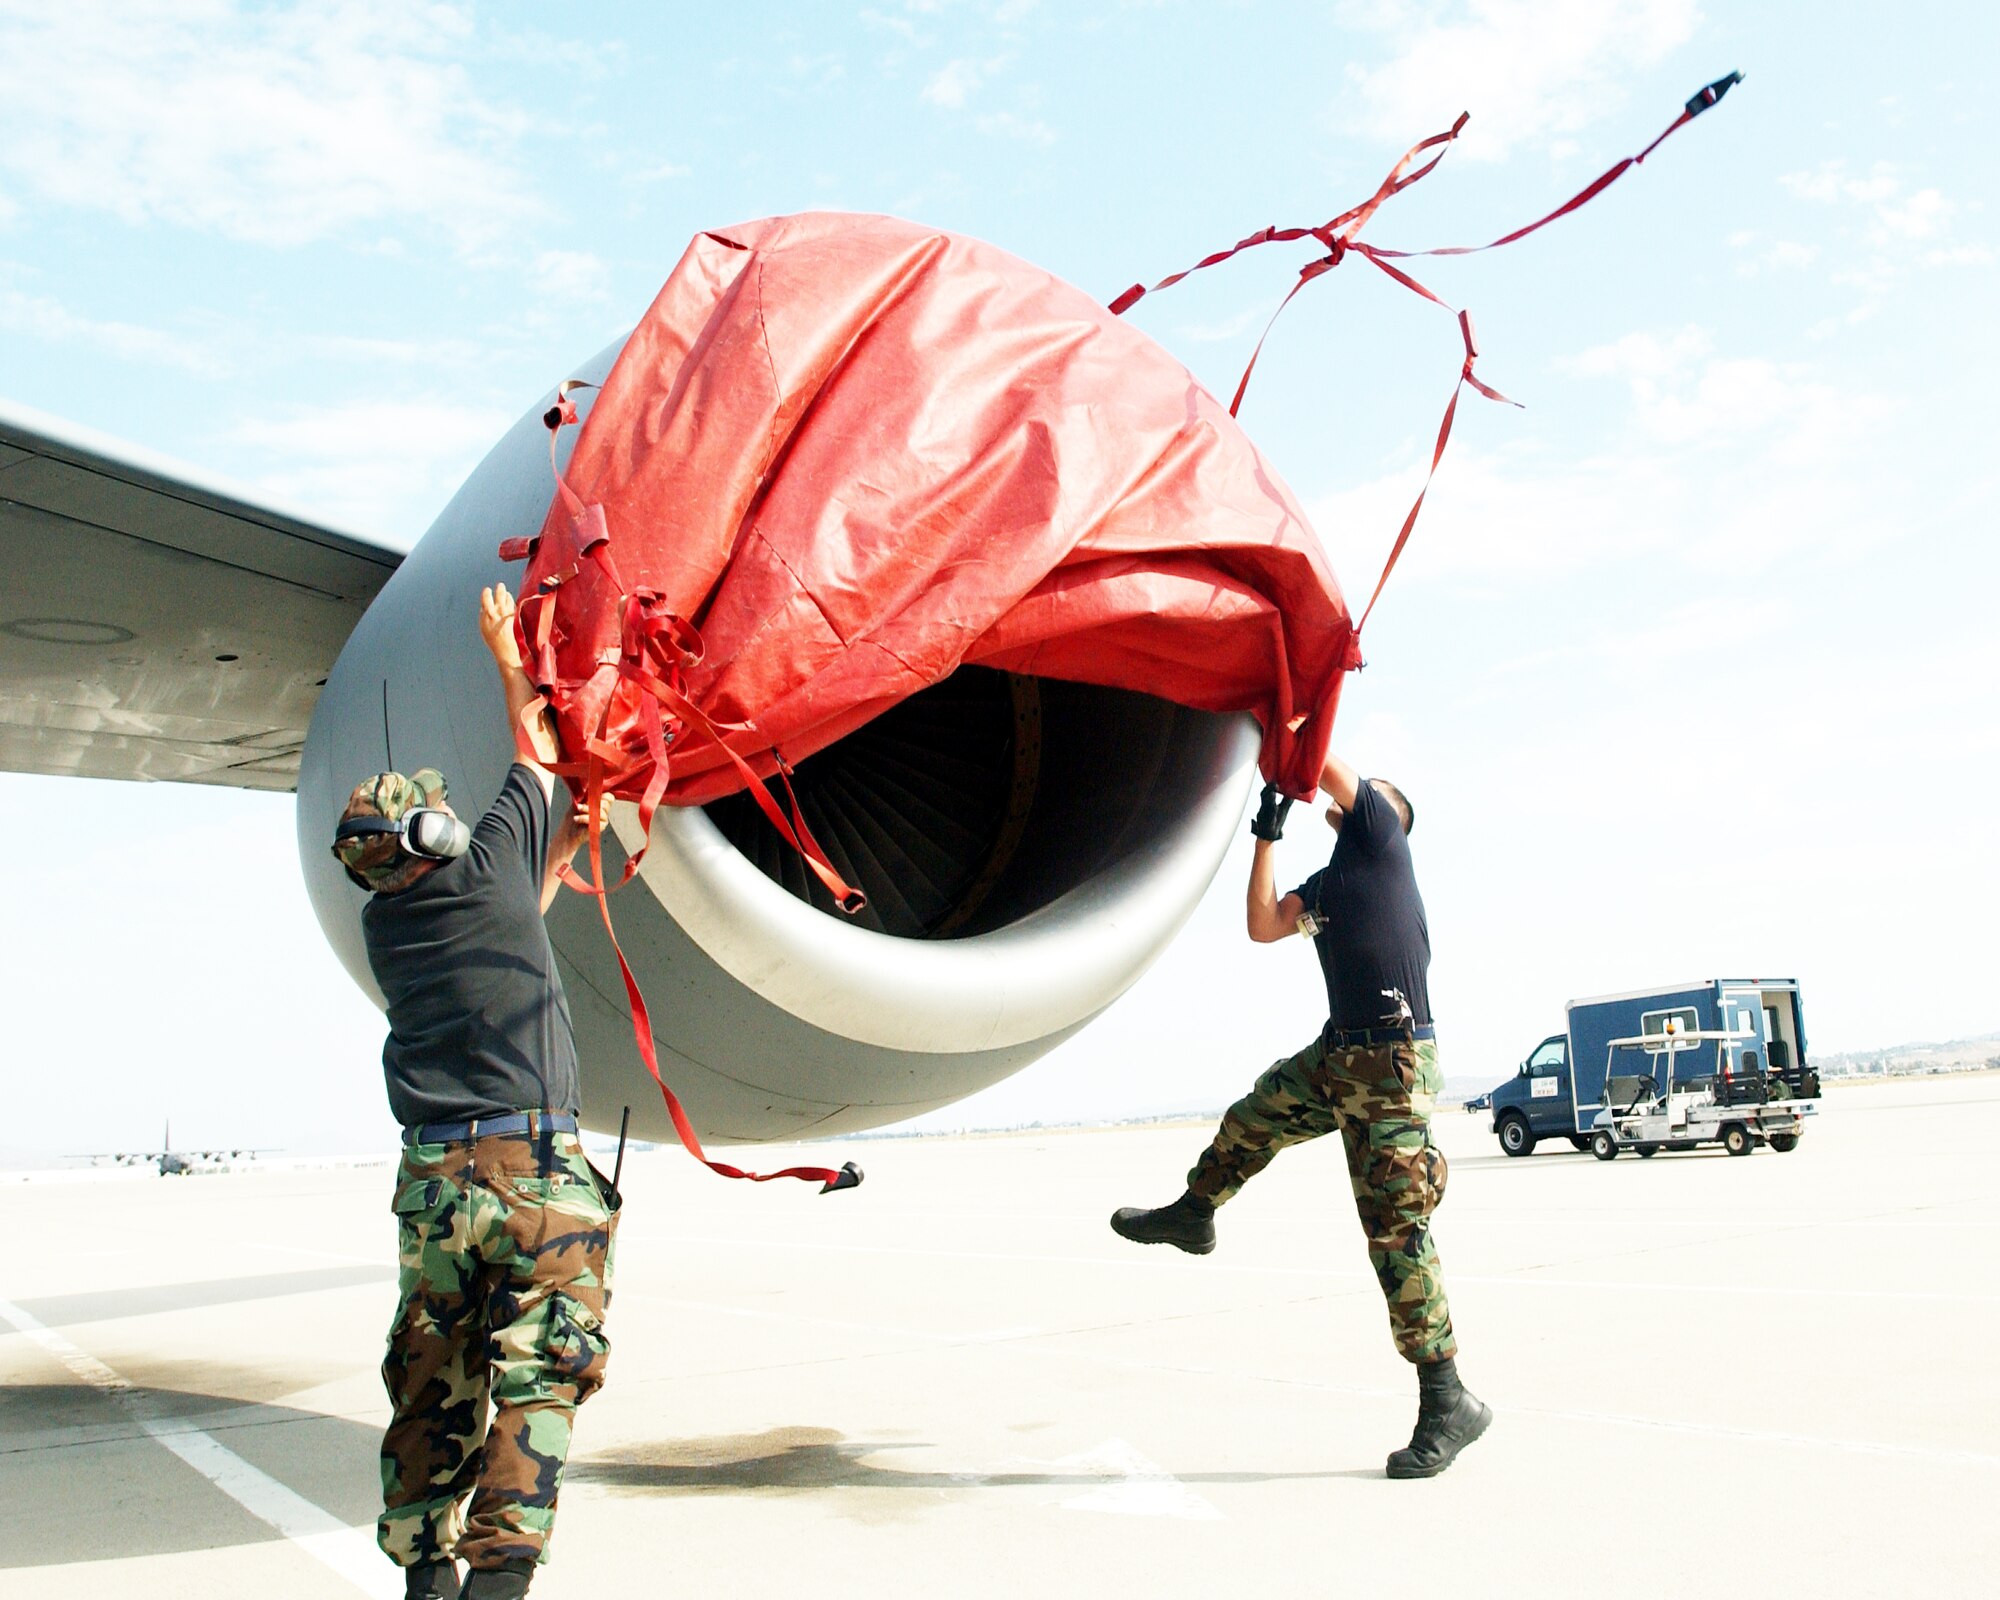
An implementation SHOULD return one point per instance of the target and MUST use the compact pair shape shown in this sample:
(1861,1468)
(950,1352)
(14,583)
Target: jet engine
(1028,847)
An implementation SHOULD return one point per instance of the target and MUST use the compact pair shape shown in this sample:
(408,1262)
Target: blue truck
(1685,1064)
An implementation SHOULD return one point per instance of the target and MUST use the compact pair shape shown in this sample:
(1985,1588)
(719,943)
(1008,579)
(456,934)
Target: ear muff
(423,831)
(434,835)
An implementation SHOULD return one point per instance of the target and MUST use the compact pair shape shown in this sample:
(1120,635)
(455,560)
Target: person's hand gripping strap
(1272,805)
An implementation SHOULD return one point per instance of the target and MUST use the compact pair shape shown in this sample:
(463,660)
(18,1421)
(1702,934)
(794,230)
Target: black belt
(1403,1035)
(513,1122)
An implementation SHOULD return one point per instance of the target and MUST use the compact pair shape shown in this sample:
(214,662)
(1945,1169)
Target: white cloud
(1962,255)
(1682,393)
(953,84)
(1530,71)
(571,275)
(1028,130)
(1729,462)
(902,27)
(363,351)
(1897,217)
(1220,332)
(1780,255)
(39,317)
(1924,215)
(378,465)
(1830,181)
(820,70)
(1643,355)
(277,126)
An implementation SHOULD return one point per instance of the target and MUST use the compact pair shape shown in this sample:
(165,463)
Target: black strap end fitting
(848,1177)
(1710,94)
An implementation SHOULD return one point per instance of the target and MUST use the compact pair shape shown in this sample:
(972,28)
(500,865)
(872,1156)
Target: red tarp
(856,453)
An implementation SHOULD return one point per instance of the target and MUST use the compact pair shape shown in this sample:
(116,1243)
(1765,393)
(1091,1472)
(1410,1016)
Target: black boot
(431,1580)
(1188,1224)
(508,1581)
(1449,1417)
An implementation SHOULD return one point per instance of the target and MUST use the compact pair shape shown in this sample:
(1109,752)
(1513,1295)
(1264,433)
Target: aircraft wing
(152,627)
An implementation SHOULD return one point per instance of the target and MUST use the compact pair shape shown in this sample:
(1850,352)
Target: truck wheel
(1736,1139)
(1515,1137)
(1781,1142)
(1604,1144)
(1646,1150)
(1581,1142)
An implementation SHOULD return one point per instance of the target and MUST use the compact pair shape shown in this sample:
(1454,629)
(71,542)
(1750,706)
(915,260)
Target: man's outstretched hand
(496,626)
(579,813)
(1269,822)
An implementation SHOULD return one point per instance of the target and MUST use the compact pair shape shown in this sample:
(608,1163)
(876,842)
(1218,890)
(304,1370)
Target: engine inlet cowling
(1028,847)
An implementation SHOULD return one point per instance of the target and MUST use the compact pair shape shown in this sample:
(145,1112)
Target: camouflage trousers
(505,1276)
(1379,1099)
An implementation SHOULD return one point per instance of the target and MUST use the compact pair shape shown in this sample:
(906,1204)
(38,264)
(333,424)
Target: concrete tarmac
(1712,1376)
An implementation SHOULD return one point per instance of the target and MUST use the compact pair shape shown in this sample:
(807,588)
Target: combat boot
(508,1581)
(1188,1224)
(1449,1417)
(431,1580)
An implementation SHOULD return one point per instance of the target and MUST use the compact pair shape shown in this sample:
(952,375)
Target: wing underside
(154,628)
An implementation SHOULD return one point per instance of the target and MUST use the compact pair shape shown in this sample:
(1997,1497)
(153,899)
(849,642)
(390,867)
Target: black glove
(1271,809)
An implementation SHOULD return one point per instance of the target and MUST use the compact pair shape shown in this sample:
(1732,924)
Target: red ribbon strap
(655,647)
(1341,236)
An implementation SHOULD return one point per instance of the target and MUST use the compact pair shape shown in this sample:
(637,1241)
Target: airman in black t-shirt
(504,1228)
(1371,1076)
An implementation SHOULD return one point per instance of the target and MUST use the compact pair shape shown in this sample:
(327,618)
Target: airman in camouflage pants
(505,1276)
(1379,1098)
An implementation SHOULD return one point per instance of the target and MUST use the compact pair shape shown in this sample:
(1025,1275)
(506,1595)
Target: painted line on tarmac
(1136,1486)
(347,1552)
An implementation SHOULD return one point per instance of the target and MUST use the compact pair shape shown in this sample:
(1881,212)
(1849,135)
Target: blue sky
(1689,668)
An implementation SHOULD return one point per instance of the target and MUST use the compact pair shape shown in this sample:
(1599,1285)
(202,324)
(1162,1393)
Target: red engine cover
(856,452)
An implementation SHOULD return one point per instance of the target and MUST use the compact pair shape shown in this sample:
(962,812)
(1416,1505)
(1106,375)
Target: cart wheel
(1736,1139)
(1515,1136)
(1781,1142)
(1604,1144)
(1647,1150)
(1580,1141)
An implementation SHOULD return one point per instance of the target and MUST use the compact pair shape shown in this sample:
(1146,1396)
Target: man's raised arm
(1339,782)
(496,627)
(1268,919)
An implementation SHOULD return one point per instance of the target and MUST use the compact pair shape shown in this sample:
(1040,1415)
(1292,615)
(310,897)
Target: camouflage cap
(376,861)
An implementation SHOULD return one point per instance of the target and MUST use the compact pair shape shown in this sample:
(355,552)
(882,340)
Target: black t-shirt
(1373,935)
(478,1021)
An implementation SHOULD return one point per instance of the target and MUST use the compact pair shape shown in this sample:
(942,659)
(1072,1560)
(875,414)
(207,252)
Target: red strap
(654,648)
(1346,225)
(1437,451)
(1342,235)
(828,1178)
(1699,103)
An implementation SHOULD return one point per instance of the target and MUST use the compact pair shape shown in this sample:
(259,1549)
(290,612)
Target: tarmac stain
(778,1461)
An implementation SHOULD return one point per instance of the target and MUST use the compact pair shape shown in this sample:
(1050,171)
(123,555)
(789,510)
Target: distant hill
(1905,1060)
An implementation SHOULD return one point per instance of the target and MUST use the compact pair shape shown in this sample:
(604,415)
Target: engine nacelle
(1028,846)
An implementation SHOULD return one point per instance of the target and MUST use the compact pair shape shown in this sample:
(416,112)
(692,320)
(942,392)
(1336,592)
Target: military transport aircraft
(171,1162)
(1027,846)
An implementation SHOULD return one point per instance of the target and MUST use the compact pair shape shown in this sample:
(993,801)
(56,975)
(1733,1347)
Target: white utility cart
(1700,1102)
